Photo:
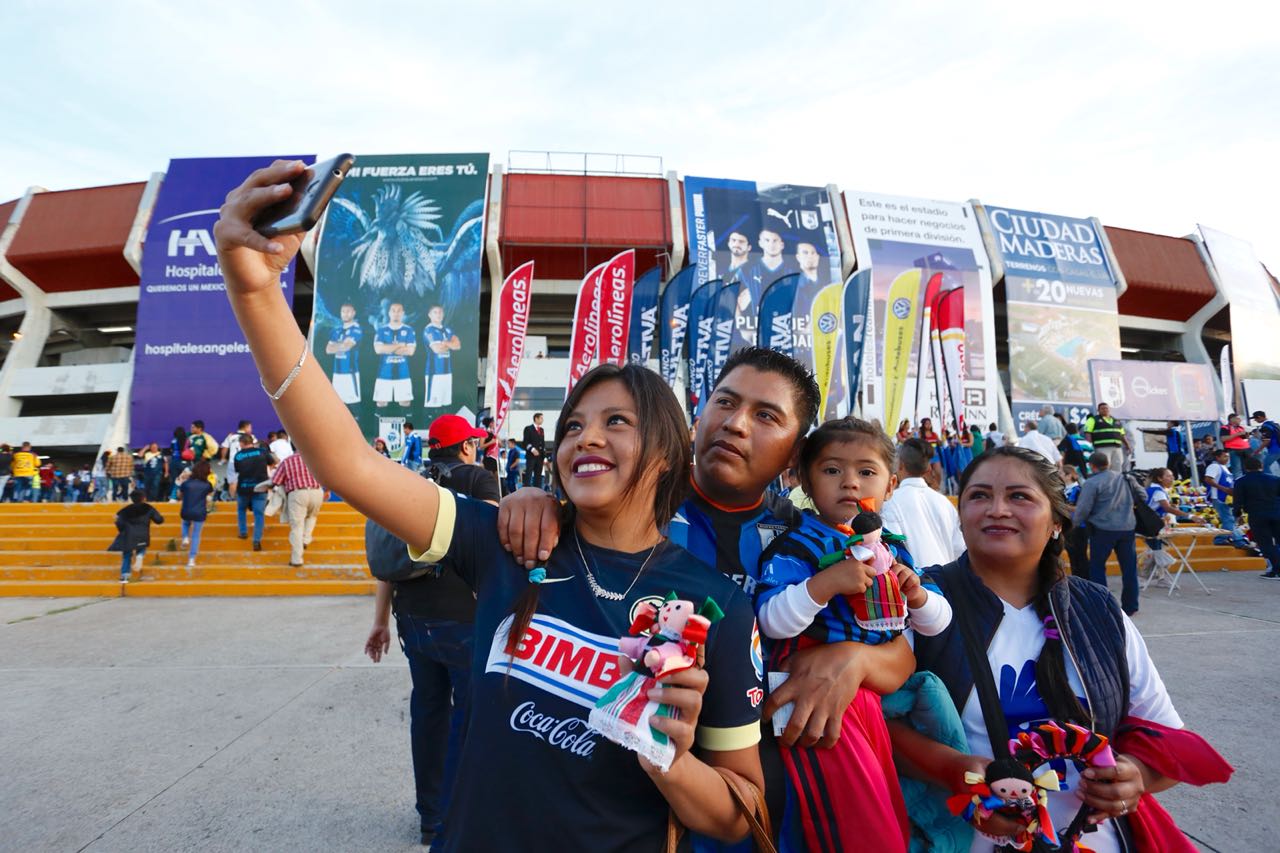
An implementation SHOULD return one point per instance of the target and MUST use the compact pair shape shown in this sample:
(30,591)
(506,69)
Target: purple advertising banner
(1155,390)
(190,359)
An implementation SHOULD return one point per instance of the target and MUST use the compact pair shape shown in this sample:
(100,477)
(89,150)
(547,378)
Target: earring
(1056,533)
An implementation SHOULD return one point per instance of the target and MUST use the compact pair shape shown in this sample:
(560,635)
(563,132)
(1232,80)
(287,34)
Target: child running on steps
(835,577)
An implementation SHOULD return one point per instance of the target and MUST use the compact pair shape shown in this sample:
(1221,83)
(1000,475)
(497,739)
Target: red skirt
(848,797)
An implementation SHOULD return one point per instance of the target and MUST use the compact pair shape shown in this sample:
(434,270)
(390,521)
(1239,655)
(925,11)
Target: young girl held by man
(839,576)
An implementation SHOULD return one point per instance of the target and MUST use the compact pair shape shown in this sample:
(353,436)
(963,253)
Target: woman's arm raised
(317,420)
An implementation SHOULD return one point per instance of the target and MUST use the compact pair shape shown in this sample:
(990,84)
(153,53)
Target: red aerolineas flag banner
(949,321)
(617,283)
(513,321)
(585,341)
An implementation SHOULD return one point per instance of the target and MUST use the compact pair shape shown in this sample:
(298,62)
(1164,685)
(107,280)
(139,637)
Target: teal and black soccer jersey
(438,364)
(395,366)
(349,361)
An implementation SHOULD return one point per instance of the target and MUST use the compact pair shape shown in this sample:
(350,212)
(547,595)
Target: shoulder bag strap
(750,803)
(980,669)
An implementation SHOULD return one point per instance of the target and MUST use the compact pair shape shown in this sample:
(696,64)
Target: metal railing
(584,163)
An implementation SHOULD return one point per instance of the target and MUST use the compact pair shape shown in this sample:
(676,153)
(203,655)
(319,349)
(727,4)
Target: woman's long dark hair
(664,438)
(1051,669)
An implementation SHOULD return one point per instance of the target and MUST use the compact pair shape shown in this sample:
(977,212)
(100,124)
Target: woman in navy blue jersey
(533,775)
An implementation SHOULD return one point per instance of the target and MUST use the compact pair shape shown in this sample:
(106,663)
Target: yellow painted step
(179,571)
(242,556)
(61,589)
(54,526)
(213,543)
(201,588)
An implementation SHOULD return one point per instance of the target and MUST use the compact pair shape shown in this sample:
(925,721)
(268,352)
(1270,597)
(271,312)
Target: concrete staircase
(1207,557)
(60,550)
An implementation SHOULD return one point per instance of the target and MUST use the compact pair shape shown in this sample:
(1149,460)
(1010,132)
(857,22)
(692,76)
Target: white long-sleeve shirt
(928,520)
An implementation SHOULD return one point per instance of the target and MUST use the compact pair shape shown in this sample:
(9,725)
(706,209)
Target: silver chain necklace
(608,594)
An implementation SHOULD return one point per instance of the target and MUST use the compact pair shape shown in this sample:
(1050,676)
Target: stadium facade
(71,264)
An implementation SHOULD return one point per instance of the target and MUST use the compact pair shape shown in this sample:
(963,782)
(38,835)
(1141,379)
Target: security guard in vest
(1108,436)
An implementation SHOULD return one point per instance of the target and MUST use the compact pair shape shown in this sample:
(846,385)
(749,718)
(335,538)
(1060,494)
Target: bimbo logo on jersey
(559,658)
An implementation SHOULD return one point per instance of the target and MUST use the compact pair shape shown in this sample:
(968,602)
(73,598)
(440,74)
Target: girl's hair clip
(537,574)
(1051,631)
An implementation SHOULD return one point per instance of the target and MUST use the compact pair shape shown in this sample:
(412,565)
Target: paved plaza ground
(257,724)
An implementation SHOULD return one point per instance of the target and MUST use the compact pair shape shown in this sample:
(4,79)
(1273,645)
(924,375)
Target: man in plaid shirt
(303,497)
(120,470)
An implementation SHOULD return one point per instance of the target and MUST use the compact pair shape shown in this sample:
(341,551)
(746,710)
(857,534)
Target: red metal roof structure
(568,224)
(74,240)
(1166,275)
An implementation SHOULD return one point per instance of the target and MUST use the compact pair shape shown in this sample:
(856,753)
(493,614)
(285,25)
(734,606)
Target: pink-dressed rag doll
(664,639)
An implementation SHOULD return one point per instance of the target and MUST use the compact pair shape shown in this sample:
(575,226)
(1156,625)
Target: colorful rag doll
(881,607)
(664,640)
(1018,786)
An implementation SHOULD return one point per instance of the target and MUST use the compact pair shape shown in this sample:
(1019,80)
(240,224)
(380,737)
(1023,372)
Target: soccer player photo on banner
(1061,296)
(396,322)
(754,234)
(919,252)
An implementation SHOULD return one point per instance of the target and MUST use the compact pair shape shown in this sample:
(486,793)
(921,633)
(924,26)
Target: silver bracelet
(293,374)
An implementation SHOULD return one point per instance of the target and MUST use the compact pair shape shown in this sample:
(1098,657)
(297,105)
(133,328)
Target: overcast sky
(1154,117)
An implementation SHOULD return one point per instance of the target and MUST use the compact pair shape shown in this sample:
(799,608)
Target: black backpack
(388,556)
(1147,522)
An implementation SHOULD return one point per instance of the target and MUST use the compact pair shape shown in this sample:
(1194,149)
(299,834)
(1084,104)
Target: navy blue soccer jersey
(732,540)
(349,361)
(559,784)
(438,364)
(394,366)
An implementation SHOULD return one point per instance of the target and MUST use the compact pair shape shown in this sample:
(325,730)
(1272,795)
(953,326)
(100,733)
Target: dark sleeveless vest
(1088,617)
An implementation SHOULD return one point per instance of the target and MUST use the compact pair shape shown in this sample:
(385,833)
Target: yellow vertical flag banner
(826,337)
(899,338)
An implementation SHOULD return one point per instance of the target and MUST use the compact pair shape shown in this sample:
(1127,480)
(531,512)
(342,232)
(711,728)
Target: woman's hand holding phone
(250,262)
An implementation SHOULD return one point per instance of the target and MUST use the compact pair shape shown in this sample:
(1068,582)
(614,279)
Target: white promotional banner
(1255,315)
(908,243)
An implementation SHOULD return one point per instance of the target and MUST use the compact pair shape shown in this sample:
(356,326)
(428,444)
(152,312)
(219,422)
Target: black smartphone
(311,192)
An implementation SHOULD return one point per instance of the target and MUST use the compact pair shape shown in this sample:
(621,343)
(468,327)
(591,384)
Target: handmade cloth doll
(881,607)
(663,640)
(1018,785)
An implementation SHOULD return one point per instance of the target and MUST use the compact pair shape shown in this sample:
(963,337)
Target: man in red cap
(434,615)
(452,459)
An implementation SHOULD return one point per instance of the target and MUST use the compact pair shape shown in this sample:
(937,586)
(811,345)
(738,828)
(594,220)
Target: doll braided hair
(1051,669)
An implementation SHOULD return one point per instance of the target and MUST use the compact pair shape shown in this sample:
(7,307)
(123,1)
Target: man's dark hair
(453,451)
(137,496)
(408,424)
(803,386)
(914,455)
(245,438)
(1100,460)
(1260,414)
(992,428)
(537,414)
(1252,463)
(243,424)
(198,424)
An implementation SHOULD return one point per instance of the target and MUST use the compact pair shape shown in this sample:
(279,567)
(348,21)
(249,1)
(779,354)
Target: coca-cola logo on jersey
(571,734)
